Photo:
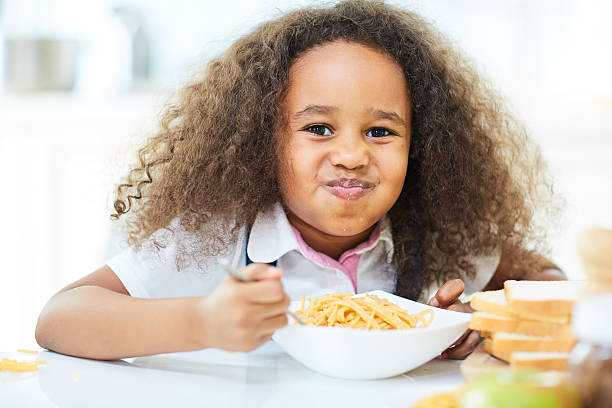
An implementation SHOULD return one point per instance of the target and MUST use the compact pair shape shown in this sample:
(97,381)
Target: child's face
(348,137)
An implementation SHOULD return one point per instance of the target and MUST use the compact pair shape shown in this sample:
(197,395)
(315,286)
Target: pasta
(27,351)
(19,366)
(365,312)
(16,366)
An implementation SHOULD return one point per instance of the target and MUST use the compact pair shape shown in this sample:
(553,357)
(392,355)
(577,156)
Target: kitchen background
(82,82)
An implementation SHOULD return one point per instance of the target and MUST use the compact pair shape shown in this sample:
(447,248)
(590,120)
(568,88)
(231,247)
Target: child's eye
(319,130)
(378,132)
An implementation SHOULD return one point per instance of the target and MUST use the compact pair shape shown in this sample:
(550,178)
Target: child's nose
(350,150)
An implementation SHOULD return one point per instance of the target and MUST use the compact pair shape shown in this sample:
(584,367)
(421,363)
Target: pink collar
(348,261)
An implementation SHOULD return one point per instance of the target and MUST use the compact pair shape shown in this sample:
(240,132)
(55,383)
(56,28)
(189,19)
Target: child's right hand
(241,316)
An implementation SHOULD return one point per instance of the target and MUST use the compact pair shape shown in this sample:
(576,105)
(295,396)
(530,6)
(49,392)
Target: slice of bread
(545,298)
(508,342)
(488,322)
(542,360)
(560,319)
(486,334)
(502,355)
(494,302)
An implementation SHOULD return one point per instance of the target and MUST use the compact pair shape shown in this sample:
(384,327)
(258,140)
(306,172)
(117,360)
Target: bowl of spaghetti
(369,335)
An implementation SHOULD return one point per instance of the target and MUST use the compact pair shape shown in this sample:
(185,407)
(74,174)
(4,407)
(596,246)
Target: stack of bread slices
(527,324)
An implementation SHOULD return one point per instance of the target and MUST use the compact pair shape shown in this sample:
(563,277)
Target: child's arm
(96,318)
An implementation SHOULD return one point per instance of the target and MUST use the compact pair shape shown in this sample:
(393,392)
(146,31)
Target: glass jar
(591,359)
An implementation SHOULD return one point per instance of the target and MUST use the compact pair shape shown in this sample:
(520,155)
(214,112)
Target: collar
(272,237)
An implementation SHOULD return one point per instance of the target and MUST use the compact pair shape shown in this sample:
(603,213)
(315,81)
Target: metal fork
(241,277)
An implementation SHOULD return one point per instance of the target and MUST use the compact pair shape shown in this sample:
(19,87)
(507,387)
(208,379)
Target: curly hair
(474,179)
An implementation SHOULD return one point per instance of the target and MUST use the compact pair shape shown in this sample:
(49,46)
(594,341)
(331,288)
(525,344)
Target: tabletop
(266,377)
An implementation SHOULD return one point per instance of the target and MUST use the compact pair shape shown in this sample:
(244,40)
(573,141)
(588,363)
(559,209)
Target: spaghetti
(364,312)
(19,366)
(15,366)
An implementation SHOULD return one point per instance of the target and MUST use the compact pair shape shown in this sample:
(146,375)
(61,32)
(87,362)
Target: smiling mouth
(349,189)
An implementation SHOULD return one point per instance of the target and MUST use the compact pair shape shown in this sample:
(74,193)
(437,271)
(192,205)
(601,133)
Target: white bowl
(370,354)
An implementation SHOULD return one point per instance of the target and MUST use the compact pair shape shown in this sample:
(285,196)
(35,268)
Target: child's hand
(241,316)
(447,298)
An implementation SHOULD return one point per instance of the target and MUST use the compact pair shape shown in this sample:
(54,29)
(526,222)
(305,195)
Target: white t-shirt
(151,272)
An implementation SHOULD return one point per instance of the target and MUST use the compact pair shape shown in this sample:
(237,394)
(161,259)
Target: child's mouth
(349,189)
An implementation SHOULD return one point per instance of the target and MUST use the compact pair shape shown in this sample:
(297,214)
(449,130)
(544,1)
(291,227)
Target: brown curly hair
(474,179)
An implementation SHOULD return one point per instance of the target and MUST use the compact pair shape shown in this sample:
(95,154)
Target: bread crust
(501,344)
(486,322)
(540,362)
(546,363)
(556,309)
(482,304)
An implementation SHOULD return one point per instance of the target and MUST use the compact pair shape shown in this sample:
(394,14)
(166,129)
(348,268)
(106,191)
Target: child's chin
(347,230)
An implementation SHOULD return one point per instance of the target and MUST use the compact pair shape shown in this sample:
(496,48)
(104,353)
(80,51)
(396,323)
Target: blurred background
(83,82)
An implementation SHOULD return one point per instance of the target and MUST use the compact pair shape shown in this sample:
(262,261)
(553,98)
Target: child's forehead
(346,74)
(341,49)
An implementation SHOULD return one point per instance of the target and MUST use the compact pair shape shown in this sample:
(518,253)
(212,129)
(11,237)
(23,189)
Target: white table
(267,377)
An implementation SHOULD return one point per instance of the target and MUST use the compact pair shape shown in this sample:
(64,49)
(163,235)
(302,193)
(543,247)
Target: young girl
(341,149)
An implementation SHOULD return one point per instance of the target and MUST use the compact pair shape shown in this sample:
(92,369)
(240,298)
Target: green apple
(520,389)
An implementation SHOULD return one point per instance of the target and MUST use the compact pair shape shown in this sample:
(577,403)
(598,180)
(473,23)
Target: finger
(260,271)
(263,311)
(447,294)
(458,307)
(460,339)
(262,339)
(433,302)
(263,292)
(271,324)
(464,349)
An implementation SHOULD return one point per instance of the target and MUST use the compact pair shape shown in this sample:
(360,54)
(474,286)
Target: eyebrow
(326,109)
(313,109)
(389,115)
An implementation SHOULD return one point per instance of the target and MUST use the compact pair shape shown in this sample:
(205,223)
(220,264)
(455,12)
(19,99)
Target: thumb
(447,294)
(260,271)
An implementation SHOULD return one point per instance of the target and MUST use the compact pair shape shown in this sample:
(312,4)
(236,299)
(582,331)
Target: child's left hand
(447,297)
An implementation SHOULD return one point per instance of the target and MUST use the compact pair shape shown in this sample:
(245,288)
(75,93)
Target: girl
(348,147)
